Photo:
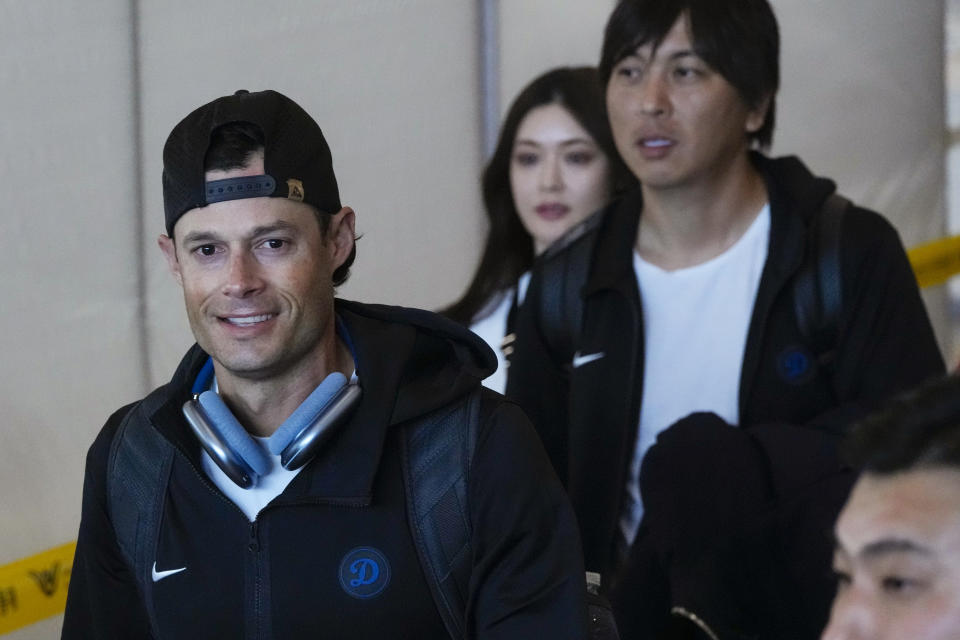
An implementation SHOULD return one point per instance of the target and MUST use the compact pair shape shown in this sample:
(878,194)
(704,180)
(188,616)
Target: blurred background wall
(89,90)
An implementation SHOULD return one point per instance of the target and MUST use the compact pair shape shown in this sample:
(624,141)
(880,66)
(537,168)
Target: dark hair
(508,250)
(916,430)
(233,145)
(738,38)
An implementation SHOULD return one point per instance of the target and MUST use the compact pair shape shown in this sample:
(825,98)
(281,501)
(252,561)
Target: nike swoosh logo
(580,360)
(160,575)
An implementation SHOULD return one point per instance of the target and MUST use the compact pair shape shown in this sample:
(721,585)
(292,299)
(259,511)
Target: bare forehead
(919,506)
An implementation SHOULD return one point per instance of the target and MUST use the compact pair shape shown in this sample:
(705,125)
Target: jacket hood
(416,359)
(791,185)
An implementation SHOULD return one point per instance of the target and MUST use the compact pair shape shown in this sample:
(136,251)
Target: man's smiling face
(257,280)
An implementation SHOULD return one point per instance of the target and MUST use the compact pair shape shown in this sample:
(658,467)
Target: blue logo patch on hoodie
(795,365)
(364,572)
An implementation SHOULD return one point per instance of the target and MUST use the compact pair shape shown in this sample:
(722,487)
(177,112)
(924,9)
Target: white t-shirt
(492,327)
(265,488)
(696,321)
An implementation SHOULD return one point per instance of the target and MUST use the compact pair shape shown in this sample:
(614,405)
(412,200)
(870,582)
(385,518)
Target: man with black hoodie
(732,315)
(316,467)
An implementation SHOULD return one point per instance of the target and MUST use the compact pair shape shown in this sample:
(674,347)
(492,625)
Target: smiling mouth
(246,321)
(655,143)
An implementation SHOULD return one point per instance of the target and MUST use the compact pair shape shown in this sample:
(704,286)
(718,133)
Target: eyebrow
(203,237)
(887,546)
(684,53)
(571,141)
(199,237)
(676,55)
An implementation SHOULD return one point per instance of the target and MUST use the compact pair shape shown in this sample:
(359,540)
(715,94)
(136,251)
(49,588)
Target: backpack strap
(562,271)
(818,287)
(437,452)
(138,469)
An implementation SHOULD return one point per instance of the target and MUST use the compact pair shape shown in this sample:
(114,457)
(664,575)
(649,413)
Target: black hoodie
(282,576)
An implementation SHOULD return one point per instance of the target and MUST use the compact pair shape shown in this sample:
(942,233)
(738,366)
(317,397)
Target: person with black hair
(690,361)
(554,165)
(315,467)
(897,557)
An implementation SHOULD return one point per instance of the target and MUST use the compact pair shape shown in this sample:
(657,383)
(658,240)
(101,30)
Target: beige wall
(67,282)
(87,101)
(535,36)
(393,83)
(862,100)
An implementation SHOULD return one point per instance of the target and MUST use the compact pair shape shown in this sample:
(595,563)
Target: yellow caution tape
(35,588)
(935,262)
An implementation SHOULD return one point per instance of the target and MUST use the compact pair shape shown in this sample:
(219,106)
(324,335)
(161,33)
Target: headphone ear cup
(229,462)
(334,414)
(307,412)
(225,440)
(232,433)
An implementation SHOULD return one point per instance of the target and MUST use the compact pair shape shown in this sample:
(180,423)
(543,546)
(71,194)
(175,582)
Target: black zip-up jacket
(588,415)
(282,576)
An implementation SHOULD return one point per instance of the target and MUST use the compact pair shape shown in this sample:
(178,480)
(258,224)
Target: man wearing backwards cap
(293,479)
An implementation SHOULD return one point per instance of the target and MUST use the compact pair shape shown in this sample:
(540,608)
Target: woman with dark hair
(554,164)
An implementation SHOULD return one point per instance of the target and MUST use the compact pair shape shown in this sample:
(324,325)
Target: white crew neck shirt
(696,322)
(265,488)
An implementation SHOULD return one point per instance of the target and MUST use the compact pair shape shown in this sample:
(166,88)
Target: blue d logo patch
(795,365)
(364,572)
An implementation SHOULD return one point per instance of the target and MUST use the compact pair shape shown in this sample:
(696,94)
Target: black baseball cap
(296,158)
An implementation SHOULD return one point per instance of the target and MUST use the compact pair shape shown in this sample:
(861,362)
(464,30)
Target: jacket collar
(617,235)
(345,469)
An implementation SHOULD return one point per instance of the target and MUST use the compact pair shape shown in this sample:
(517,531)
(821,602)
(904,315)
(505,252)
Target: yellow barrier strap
(936,262)
(35,588)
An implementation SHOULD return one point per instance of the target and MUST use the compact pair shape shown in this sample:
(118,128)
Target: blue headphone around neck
(297,440)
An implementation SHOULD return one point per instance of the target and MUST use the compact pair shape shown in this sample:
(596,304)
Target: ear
(169,249)
(341,235)
(758,115)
